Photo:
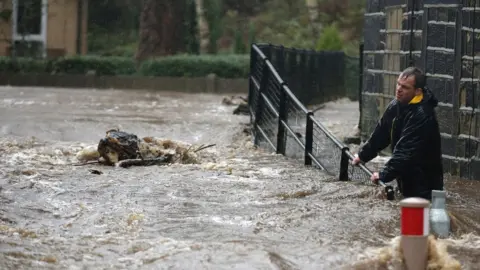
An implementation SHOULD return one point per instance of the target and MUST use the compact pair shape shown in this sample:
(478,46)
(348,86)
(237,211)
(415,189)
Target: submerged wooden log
(242,109)
(143,162)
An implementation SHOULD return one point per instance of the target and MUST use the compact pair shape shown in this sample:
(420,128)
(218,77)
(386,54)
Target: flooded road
(238,208)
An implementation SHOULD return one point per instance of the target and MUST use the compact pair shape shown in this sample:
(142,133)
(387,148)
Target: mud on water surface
(237,208)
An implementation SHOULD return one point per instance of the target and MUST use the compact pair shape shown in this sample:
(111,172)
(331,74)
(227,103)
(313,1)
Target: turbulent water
(238,208)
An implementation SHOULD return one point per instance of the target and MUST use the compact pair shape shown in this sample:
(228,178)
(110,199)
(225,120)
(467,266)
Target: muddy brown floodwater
(239,208)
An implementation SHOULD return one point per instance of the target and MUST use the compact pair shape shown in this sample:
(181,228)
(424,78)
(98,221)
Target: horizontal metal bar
(317,162)
(266,138)
(389,52)
(257,85)
(274,72)
(270,105)
(295,99)
(293,133)
(259,52)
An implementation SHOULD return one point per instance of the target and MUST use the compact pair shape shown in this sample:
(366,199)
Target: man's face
(405,90)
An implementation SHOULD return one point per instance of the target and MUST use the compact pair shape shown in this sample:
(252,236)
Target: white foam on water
(271,171)
(390,256)
(12,101)
(235,220)
(470,241)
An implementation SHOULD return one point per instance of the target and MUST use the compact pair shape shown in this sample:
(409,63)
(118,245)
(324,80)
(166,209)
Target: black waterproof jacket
(413,133)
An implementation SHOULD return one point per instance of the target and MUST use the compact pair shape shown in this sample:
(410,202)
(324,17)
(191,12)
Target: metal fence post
(268,51)
(308,139)
(280,61)
(319,61)
(302,92)
(251,85)
(343,176)
(291,70)
(342,58)
(360,84)
(313,81)
(259,108)
(282,117)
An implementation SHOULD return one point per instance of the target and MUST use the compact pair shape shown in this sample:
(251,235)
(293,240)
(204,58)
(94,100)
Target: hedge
(225,66)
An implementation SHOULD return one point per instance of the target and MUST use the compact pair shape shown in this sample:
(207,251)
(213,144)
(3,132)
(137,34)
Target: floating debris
(240,102)
(296,194)
(21,232)
(95,172)
(88,153)
(123,149)
(234,100)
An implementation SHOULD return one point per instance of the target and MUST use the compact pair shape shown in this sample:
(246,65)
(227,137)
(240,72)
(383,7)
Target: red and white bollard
(415,229)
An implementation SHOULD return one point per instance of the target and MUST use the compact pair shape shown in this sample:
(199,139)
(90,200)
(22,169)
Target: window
(29,17)
(29,27)
(32,49)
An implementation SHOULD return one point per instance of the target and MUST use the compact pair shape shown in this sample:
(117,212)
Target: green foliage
(286,23)
(111,25)
(191,27)
(113,15)
(347,15)
(101,65)
(5,15)
(24,65)
(213,16)
(239,46)
(107,43)
(226,66)
(330,39)
(251,34)
(127,50)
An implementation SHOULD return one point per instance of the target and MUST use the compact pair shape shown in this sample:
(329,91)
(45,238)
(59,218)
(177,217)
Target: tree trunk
(203,30)
(161,29)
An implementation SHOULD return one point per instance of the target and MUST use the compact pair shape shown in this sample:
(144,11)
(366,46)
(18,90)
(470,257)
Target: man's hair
(420,79)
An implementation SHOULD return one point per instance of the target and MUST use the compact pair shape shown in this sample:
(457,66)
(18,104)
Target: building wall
(446,44)
(84,35)
(62,29)
(62,26)
(5,30)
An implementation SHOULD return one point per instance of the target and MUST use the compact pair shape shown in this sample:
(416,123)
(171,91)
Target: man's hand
(356,160)
(375,177)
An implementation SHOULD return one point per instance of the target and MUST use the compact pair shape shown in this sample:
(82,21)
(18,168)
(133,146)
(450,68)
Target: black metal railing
(314,77)
(282,123)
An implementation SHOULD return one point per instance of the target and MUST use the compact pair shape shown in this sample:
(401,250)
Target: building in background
(43,28)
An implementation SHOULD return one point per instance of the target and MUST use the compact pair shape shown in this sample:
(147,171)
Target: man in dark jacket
(410,126)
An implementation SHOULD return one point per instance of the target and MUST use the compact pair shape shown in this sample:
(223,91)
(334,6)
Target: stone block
(372,36)
(448,146)
(444,115)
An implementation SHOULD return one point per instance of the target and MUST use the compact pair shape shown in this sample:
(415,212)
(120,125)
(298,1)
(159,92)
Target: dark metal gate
(443,38)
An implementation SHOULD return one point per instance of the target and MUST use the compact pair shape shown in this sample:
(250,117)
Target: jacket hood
(429,98)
